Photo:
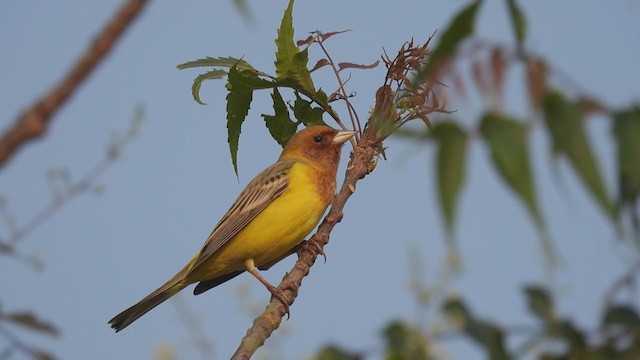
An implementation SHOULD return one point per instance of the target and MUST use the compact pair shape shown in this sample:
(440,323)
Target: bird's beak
(343,136)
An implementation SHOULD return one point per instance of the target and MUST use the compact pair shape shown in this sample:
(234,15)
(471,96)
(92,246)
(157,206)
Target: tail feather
(152,300)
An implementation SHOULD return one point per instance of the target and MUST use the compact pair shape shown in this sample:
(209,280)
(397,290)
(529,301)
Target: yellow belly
(274,232)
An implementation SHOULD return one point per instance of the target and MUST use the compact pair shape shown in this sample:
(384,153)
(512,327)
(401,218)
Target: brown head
(319,145)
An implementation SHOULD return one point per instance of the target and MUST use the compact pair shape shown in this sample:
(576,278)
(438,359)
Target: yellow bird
(272,215)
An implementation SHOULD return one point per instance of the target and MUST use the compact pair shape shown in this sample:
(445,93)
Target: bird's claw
(318,249)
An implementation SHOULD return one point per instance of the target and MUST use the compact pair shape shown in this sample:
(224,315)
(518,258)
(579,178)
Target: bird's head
(317,144)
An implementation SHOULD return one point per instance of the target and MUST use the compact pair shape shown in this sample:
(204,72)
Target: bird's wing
(260,192)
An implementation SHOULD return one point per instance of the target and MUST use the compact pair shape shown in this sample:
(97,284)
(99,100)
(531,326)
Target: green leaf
(626,129)
(197,82)
(518,22)
(280,125)
(225,61)
(507,140)
(621,315)
(286,48)
(299,73)
(238,104)
(404,341)
(451,160)
(540,302)
(491,338)
(461,27)
(564,122)
(332,352)
(32,322)
(574,337)
(457,313)
(306,114)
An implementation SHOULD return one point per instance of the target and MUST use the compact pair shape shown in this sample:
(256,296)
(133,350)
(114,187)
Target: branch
(33,122)
(269,321)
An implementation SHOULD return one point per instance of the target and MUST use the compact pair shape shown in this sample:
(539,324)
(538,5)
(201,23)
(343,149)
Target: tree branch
(33,122)
(269,321)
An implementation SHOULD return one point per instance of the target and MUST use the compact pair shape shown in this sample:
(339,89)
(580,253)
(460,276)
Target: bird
(269,219)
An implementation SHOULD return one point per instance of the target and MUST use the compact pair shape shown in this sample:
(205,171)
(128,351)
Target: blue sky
(104,252)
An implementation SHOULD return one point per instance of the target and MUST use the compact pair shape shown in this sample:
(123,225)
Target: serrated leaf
(348,65)
(451,160)
(518,22)
(31,322)
(299,73)
(621,315)
(461,27)
(306,114)
(330,34)
(321,98)
(321,63)
(280,125)
(197,82)
(539,302)
(224,61)
(238,104)
(286,48)
(564,122)
(507,140)
(626,129)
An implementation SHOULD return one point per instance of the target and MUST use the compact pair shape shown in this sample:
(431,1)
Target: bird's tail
(164,292)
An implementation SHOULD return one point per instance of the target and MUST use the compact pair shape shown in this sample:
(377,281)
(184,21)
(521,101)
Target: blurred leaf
(244,10)
(286,48)
(626,129)
(197,82)
(32,322)
(498,62)
(507,140)
(491,338)
(540,302)
(575,337)
(403,341)
(280,125)
(457,313)
(564,122)
(621,315)
(536,81)
(452,157)
(332,352)
(461,27)
(518,22)
(299,73)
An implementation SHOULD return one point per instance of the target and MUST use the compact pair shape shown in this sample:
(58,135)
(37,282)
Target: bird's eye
(317,139)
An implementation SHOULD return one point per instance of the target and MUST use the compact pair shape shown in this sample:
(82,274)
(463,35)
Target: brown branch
(33,122)
(269,321)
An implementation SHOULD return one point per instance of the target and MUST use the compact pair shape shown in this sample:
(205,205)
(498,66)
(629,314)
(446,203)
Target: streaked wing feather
(260,192)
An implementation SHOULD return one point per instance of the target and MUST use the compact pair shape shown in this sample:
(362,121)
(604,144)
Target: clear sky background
(104,252)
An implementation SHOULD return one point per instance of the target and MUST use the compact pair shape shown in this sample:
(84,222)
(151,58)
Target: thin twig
(15,343)
(33,122)
(353,116)
(69,193)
